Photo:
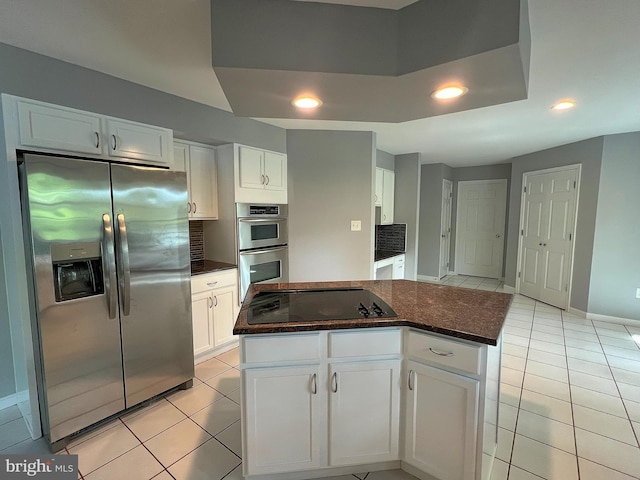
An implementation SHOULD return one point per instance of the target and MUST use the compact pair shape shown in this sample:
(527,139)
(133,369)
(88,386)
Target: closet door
(548,218)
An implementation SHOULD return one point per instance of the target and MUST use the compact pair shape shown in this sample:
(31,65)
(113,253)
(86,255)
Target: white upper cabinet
(259,176)
(388,192)
(47,127)
(135,140)
(377,196)
(199,162)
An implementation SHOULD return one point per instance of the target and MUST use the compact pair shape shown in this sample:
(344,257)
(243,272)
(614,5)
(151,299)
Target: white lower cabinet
(364,411)
(441,422)
(214,300)
(283,419)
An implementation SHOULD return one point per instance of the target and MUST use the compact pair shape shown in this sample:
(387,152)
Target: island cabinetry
(214,300)
(320,400)
(450,421)
(43,126)
(199,162)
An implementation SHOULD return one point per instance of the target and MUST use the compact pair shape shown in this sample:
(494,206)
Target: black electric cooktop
(283,306)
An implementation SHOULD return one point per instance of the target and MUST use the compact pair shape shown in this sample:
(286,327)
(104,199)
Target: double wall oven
(263,252)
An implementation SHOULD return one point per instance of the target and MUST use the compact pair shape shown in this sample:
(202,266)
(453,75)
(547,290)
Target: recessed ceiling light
(564,105)
(307,102)
(449,92)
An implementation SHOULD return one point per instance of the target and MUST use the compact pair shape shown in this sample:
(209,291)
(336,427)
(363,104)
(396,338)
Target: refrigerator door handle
(123,261)
(109,265)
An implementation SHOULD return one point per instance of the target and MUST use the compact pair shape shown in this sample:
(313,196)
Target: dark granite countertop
(475,315)
(207,266)
(382,254)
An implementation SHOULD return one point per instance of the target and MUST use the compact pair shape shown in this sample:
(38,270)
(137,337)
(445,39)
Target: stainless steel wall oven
(263,252)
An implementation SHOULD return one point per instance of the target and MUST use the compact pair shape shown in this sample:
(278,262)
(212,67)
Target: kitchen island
(419,391)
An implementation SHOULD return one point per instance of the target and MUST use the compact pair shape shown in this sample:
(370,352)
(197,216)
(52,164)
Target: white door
(283,419)
(547,220)
(364,412)
(480,227)
(445,230)
(441,422)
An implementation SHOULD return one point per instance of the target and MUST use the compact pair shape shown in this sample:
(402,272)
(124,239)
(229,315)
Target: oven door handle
(262,220)
(266,250)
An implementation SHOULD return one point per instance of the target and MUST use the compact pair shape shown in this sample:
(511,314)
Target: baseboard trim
(427,278)
(576,312)
(8,401)
(610,319)
(508,289)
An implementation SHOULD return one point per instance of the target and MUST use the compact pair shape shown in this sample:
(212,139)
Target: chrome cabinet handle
(195,207)
(188,207)
(125,279)
(211,284)
(334,382)
(216,298)
(375,198)
(109,263)
(262,179)
(409,380)
(115,142)
(441,353)
(97,139)
(259,252)
(210,302)
(267,177)
(314,384)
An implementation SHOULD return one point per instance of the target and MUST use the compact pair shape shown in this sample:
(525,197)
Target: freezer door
(68,204)
(153,263)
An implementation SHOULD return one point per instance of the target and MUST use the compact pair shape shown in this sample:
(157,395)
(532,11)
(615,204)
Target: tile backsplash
(392,237)
(196,239)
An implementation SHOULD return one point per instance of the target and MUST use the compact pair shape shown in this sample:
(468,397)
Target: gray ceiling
(583,49)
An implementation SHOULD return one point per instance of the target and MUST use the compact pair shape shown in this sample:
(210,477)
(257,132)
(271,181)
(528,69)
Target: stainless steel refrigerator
(111,286)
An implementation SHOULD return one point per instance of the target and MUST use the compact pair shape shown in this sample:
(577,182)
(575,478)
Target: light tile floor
(570,409)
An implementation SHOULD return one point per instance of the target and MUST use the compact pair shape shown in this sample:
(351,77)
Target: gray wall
(35,76)
(7,380)
(431,177)
(331,181)
(407,206)
(466,174)
(589,154)
(615,271)
(385,160)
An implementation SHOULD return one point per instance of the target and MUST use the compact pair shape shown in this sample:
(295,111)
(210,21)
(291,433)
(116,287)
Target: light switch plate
(638,292)
(356,225)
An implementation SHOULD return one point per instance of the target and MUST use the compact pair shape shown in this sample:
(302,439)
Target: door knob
(498,235)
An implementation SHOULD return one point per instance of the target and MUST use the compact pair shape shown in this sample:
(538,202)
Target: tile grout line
(573,419)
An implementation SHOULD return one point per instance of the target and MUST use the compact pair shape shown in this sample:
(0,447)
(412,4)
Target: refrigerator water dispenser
(77,270)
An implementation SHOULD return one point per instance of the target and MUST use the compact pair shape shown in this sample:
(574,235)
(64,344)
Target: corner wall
(615,270)
(331,182)
(407,206)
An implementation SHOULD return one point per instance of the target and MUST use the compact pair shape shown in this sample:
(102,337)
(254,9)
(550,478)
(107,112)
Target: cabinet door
(250,171)
(58,128)
(282,419)
(441,422)
(388,191)
(181,164)
(364,412)
(275,171)
(202,317)
(398,267)
(377,197)
(224,301)
(203,183)
(139,141)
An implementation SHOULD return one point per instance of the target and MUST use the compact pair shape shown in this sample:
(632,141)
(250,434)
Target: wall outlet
(356,225)
(638,292)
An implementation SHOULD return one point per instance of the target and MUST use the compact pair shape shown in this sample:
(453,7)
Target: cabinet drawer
(365,343)
(441,351)
(281,348)
(209,281)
